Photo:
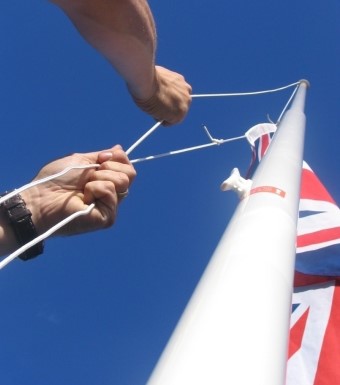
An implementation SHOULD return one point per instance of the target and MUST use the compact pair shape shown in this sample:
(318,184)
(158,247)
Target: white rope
(43,236)
(176,152)
(53,229)
(62,223)
(287,104)
(153,128)
(245,93)
(43,180)
(143,137)
(214,141)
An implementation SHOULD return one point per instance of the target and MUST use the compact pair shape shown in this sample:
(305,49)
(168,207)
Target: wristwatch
(20,219)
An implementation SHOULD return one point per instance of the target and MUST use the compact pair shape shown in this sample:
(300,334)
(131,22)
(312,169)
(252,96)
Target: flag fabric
(318,239)
(314,343)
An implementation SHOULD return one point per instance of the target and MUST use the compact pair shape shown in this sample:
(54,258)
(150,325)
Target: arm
(124,32)
(55,200)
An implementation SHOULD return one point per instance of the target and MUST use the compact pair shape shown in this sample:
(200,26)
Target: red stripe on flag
(312,188)
(318,237)
(296,334)
(264,143)
(301,279)
(328,371)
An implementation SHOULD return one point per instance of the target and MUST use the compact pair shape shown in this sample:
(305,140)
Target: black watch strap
(20,219)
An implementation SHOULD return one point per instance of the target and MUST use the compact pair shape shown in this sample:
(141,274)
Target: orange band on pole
(268,189)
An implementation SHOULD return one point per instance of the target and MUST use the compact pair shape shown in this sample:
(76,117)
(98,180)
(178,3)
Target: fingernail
(107,155)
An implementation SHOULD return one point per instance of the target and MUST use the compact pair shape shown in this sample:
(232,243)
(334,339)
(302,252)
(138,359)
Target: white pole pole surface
(235,328)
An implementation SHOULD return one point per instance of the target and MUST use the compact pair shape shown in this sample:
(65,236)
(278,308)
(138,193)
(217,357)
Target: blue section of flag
(324,261)
(307,213)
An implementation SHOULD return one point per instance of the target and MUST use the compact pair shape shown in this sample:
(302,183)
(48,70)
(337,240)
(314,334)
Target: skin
(53,201)
(124,32)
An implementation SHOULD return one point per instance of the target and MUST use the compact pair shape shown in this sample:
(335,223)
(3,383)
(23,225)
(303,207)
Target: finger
(177,115)
(115,153)
(101,156)
(103,193)
(120,180)
(127,169)
(119,155)
(122,195)
(171,101)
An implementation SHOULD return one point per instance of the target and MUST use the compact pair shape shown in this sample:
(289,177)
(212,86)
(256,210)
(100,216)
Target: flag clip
(237,183)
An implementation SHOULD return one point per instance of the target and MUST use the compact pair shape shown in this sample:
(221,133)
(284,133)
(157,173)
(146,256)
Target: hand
(52,201)
(170,100)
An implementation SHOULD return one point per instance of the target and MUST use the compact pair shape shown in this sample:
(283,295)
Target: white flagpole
(235,328)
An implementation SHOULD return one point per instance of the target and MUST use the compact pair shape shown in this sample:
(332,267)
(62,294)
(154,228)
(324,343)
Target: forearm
(124,32)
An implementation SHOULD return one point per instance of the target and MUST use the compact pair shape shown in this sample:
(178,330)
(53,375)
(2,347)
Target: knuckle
(132,173)
(110,220)
(123,178)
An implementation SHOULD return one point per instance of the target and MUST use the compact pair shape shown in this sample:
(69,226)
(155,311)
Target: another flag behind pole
(314,346)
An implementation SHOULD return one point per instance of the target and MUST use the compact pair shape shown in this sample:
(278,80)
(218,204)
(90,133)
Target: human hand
(52,201)
(170,100)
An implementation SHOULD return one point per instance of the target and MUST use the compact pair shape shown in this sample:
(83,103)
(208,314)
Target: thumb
(106,155)
(102,156)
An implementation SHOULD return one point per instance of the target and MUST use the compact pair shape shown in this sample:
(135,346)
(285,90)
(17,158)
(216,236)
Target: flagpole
(235,329)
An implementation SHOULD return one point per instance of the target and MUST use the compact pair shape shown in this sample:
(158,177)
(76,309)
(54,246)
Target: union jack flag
(314,345)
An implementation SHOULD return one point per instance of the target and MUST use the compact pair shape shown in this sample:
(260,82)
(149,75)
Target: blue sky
(98,309)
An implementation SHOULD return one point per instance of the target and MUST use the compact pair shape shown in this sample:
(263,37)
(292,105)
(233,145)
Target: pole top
(305,83)
(298,102)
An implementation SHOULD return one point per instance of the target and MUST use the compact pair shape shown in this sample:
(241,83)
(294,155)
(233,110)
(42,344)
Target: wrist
(143,92)
(18,226)
(8,242)
(32,201)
